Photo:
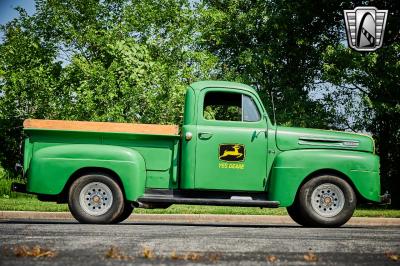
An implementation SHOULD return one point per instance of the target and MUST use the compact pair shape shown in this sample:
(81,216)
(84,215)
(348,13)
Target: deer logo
(231,152)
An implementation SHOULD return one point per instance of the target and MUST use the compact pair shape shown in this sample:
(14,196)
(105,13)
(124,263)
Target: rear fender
(52,167)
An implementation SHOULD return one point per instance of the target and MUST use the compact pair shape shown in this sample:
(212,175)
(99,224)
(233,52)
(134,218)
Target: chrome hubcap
(96,198)
(327,200)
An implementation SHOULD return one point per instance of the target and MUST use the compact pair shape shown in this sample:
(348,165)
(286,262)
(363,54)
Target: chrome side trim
(315,141)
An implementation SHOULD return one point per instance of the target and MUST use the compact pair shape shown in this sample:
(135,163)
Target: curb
(196,218)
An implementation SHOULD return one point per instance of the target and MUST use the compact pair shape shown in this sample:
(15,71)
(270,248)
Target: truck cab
(227,152)
(225,132)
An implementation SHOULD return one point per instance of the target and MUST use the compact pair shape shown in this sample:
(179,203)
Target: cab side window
(227,106)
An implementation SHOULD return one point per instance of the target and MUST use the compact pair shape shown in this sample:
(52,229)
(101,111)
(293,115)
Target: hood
(290,138)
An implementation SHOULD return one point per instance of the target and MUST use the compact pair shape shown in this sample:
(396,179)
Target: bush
(6,179)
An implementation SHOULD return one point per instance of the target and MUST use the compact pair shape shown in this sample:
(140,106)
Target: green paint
(254,156)
(51,167)
(292,167)
(57,155)
(247,175)
(305,138)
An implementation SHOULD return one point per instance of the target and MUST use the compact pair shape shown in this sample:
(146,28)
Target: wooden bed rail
(101,127)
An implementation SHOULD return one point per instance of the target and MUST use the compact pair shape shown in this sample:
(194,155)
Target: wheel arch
(333,172)
(63,196)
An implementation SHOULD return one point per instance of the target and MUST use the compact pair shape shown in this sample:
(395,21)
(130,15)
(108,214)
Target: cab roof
(199,85)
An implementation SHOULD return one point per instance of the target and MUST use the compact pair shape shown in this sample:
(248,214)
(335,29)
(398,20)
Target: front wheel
(128,209)
(326,201)
(96,198)
(294,212)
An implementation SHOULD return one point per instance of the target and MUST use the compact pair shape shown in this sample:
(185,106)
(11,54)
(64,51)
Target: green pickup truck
(227,153)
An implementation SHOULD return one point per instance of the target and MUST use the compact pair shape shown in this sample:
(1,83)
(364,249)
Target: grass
(5,189)
(377,212)
(32,204)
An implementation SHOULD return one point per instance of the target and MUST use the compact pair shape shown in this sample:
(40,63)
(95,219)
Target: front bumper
(386,198)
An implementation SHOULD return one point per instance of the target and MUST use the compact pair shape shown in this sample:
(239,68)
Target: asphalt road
(184,243)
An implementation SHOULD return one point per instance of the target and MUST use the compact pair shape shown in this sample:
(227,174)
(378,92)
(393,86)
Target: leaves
(277,47)
(35,251)
(367,99)
(310,257)
(392,256)
(75,60)
(271,258)
(148,253)
(115,253)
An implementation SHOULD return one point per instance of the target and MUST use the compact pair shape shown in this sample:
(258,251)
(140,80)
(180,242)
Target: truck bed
(157,144)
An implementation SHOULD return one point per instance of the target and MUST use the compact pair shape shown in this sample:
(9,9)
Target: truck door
(231,149)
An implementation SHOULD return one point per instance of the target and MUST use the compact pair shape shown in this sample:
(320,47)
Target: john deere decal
(231,152)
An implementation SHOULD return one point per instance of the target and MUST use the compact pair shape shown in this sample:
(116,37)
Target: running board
(205,201)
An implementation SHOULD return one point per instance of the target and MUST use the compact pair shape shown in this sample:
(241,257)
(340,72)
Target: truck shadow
(131,223)
(186,224)
(210,224)
(232,225)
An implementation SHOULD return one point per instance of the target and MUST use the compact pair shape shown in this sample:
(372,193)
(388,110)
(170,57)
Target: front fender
(291,168)
(51,167)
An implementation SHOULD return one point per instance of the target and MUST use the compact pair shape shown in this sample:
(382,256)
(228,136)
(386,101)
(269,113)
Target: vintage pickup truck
(227,153)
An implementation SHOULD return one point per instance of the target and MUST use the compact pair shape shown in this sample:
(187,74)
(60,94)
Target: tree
(125,61)
(89,61)
(277,47)
(375,77)
(27,83)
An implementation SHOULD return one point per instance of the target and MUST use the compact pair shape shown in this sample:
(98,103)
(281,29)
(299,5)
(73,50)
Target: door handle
(205,135)
(261,131)
(256,133)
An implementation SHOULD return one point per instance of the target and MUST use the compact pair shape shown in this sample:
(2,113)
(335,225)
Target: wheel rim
(327,200)
(96,198)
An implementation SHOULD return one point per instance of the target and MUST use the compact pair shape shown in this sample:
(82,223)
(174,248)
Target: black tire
(295,213)
(112,201)
(128,209)
(326,201)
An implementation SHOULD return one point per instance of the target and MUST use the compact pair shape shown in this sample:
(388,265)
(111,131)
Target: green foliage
(276,46)
(374,78)
(90,61)
(6,179)
(27,83)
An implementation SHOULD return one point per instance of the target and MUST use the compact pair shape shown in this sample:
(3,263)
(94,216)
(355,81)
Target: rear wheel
(325,201)
(96,198)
